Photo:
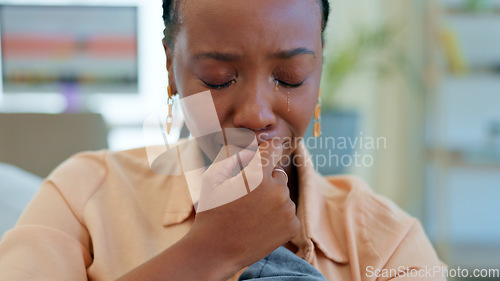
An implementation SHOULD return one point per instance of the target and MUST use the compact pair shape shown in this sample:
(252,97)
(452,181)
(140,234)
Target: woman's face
(239,50)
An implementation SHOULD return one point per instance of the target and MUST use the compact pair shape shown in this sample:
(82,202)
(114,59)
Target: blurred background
(413,84)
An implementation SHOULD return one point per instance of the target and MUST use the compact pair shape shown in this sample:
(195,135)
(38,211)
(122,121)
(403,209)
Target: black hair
(171,19)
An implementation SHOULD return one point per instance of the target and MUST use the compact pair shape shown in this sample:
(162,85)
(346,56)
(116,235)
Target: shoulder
(373,221)
(83,174)
(360,198)
(91,167)
(82,169)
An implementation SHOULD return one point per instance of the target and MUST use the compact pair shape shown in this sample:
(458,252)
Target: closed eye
(220,86)
(289,85)
(227,84)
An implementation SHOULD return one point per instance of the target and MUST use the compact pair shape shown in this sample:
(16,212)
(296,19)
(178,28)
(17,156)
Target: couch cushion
(17,187)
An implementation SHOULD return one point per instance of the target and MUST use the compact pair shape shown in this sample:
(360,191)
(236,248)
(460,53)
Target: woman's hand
(227,238)
(246,230)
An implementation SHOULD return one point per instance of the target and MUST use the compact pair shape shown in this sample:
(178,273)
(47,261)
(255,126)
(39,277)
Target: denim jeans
(282,265)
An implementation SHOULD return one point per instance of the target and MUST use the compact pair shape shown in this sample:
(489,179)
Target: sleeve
(50,241)
(414,259)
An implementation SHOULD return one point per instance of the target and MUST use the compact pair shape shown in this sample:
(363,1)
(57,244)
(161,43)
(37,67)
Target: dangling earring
(317,117)
(276,88)
(170,104)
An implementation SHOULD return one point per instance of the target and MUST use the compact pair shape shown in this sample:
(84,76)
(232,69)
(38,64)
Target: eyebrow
(286,54)
(217,56)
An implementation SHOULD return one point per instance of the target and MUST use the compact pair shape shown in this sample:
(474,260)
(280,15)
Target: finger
(222,182)
(230,161)
(245,155)
(253,171)
(280,174)
(223,168)
(270,152)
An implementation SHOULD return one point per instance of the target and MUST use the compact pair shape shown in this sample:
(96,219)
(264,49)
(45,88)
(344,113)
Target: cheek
(301,111)
(224,108)
(299,117)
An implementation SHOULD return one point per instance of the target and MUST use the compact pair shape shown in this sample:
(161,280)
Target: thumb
(228,163)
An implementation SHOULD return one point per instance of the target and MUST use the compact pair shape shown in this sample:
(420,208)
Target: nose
(254,108)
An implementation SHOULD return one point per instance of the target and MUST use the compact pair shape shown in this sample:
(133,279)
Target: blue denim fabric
(282,265)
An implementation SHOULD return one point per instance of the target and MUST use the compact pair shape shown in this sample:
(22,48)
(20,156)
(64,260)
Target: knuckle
(283,199)
(289,210)
(285,195)
(295,226)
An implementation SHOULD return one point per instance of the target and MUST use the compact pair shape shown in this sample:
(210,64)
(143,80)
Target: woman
(107,215)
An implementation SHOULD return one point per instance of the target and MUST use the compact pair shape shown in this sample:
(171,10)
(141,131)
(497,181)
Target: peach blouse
(101,214)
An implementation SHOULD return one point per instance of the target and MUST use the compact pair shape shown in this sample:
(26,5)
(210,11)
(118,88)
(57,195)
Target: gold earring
(276,88)
(170,104)
(317,117)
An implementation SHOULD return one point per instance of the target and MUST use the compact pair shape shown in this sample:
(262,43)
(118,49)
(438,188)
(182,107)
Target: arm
(192,258)
(229,237)
(48,243)
(51,241)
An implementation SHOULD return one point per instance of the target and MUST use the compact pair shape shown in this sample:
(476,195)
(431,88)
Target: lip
(239,137)
(269,137)
(245,138)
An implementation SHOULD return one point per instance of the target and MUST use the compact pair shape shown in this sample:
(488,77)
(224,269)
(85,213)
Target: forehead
(250,25)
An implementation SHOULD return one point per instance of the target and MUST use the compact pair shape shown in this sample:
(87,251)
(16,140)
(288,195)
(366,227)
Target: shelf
(481,158)
(472,17)
(474,74)
(463,7)
(471,77)
(474,256)
(465,13)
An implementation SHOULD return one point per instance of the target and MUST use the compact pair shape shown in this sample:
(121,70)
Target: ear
(170,66)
